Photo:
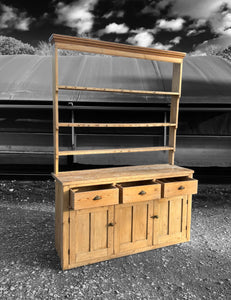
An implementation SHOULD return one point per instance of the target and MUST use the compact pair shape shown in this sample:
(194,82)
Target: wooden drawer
(93,196)
(139,191)
(177,186)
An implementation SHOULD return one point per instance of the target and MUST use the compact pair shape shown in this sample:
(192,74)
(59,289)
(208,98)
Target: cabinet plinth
(95,223)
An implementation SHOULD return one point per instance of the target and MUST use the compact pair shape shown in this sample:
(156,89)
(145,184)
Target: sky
(182,25)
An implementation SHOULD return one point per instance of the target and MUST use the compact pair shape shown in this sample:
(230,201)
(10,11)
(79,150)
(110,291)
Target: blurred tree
(9,45)
(43,48)
(226,53)
(215,50)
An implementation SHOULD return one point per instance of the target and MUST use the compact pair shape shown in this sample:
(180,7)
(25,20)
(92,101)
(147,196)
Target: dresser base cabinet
(144,220)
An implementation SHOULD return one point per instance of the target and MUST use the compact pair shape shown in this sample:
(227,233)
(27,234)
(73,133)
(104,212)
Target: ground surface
(30,269)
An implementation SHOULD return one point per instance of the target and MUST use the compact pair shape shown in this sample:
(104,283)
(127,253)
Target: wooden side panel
(170,226)
(175,216)
(81,230)
(99,230)
(90,235)
(163,217)
(188,214)
(65,229)
(125,223)
(134,226)
(140,223)
(58,216)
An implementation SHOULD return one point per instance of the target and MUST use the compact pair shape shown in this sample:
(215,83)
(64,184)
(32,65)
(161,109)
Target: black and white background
(200,269)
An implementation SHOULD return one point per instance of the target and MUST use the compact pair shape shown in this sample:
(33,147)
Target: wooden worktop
(120,174)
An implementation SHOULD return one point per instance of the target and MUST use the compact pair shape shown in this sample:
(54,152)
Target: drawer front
(94,198)
(178,187)
(139,193)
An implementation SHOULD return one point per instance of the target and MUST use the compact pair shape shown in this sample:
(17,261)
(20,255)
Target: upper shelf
(116,49)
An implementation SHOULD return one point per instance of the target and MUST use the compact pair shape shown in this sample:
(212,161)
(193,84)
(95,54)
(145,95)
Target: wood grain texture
(116,49)
(174,109)
(120,150)
(90,235)
(58,217)
(99,233)
(120,174)
(134,226)
(116,124)
(171,188)
(129,252)
(90,224)
(110,90)
(95,46)
(170,225)
(65,228)
(189,215)
(55,108)
(81,199)
(139,192)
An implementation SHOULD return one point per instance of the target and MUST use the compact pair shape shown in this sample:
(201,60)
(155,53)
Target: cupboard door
(133,226)
(170,216)
(91,233)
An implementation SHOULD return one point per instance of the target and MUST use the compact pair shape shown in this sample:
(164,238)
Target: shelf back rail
(115,49)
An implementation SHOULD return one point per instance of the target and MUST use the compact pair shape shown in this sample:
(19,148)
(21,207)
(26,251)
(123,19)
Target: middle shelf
(116,124)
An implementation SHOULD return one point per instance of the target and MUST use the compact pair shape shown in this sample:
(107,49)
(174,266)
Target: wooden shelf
(108,90)
(116,124)
(121,150)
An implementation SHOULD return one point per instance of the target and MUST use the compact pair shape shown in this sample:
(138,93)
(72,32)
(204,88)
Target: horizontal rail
(108,90)
(121,150)
(116,124)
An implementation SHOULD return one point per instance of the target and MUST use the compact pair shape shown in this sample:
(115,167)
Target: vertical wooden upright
(174,111)
(55,108)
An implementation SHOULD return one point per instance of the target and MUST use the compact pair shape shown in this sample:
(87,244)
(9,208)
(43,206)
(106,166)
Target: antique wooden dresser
(106,213)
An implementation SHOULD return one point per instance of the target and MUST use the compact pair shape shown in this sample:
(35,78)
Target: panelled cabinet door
(91,233)
(133,228)
(170,217)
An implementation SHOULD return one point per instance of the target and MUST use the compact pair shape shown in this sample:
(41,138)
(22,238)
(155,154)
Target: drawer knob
(181,187)
(142,193)
(154,217)
(97,198)
(111,224)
